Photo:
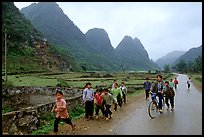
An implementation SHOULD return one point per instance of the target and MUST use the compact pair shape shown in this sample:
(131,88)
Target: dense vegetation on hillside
(134,55)
(169,59)
(92,49)
(27,50)
(191,61)
(188,67)
(190,55)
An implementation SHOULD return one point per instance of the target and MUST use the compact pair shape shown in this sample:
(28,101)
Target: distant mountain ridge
(190,55)
(170,58)
(93,48)
(100,40)
(134,55)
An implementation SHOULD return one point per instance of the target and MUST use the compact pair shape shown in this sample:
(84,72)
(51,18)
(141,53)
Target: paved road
(186,119)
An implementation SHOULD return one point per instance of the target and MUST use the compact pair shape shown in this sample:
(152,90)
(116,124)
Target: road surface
(186,119)
(133,118)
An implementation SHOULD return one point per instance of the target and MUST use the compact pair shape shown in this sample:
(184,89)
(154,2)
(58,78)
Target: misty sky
(162,27)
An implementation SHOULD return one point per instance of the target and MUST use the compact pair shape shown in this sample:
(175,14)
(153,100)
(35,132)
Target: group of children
(103,99)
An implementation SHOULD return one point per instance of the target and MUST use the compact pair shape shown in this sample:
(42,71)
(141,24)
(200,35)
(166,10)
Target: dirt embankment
(101,126)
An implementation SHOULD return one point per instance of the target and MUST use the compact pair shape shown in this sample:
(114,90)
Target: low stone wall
(18,97)
(27,120)
(39,90)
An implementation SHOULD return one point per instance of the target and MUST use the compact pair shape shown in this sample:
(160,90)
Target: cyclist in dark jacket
(158,88)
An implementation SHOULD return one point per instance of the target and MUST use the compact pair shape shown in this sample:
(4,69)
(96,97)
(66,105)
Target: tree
(83,67)
(198,64)
(181,66)
(167,68)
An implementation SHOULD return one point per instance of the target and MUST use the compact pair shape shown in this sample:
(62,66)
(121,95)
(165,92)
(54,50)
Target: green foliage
(83,67)
(194,66)
(167,68)
(62,83)
(76,112)
(63,54)
(7,84)
(22,38)
(47,120)
(6,109)
(93,49)
(181,66)
(46,124)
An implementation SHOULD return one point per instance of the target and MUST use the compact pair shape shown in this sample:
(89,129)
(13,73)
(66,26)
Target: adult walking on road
(158,88)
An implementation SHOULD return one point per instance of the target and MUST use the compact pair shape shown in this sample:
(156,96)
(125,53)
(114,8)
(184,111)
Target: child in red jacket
(99,102)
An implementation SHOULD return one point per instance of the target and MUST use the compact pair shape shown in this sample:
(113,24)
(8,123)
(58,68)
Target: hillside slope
(28,51)
(170,58)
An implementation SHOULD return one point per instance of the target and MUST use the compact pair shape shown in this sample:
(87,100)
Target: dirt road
(133,119)
(101,126)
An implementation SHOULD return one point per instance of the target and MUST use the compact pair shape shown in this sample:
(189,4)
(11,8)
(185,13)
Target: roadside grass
(47,121)
(6,109)
(21,80)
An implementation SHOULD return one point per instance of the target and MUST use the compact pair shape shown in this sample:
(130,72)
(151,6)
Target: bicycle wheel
(152,109)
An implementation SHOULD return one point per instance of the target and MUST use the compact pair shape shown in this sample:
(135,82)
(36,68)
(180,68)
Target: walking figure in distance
(88,98)
(175,83)
(189,82)
(147,86)
(60,109)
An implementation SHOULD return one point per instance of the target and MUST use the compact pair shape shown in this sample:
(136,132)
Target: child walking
(108,99)
(169,92)
(99,103)
(60,109)
(124,91)
(117,94)
(88,98)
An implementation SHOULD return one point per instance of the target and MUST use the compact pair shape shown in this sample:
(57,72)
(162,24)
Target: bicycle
(154,105)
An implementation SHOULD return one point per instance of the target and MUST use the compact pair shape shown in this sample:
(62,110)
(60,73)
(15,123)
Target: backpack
(171,93)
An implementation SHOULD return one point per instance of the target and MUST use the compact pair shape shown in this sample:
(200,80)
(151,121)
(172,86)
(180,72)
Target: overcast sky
(162,27)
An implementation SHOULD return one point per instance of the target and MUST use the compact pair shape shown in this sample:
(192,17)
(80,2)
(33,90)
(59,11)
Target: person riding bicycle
(158,87)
